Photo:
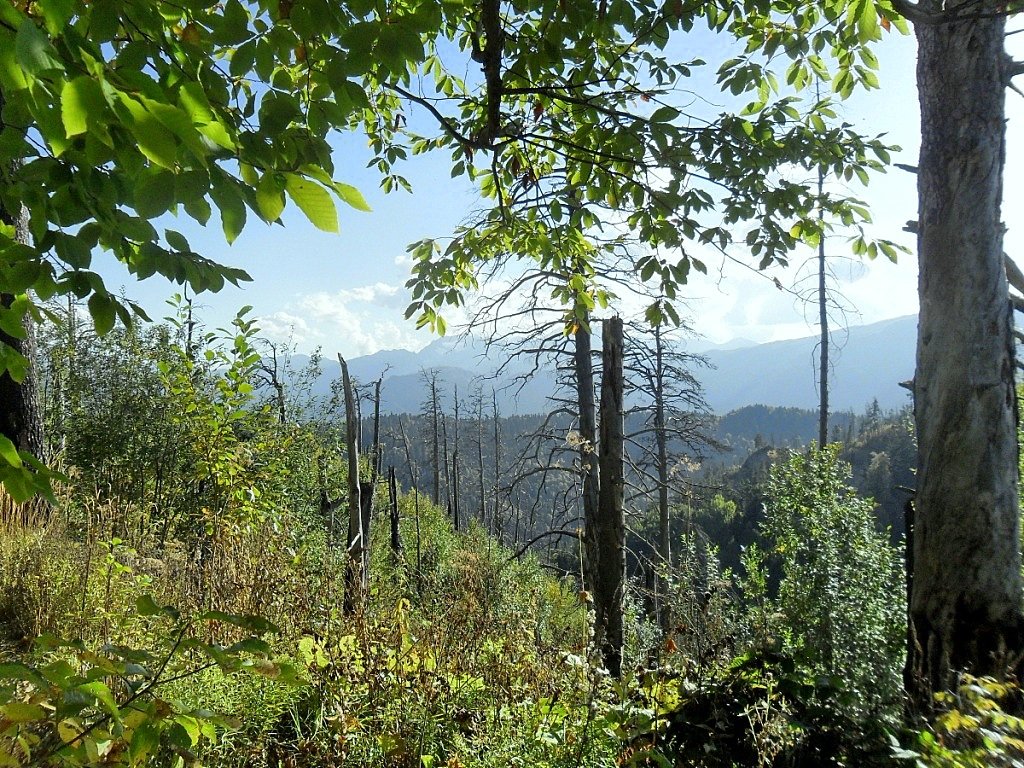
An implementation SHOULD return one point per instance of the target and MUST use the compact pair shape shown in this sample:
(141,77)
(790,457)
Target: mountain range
(868,362)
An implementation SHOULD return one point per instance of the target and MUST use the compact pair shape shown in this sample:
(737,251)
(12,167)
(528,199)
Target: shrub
(840,603)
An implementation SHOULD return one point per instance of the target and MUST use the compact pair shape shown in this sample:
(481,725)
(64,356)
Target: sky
(345,292)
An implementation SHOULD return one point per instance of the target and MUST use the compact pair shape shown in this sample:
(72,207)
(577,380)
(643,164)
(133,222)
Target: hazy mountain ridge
(867,364)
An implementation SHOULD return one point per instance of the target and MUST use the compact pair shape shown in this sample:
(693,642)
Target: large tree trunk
(605,534)
(21,419)
(966,597)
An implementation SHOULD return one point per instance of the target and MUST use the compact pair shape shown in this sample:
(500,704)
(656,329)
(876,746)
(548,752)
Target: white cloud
(353,321)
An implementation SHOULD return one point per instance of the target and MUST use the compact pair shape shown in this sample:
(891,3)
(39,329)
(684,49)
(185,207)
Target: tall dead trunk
(447,471)
(496,509)
(456,516)
(823,323)
(606,533)
(664,517)
(435,416)
(584,373)
(378,449)
(480,457)
(355,568)
(396,537)
(966,599)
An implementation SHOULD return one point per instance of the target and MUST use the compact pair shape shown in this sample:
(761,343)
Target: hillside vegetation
(183,602)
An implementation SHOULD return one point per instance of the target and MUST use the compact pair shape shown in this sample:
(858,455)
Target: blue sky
(345,292)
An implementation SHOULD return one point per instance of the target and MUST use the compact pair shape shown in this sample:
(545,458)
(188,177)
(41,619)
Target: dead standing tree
(671,427)
(356,549)
(605,532)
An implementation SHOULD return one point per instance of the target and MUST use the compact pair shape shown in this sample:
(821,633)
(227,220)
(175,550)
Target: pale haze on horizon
(345,293)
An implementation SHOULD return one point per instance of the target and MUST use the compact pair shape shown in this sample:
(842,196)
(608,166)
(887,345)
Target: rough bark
(966,597)
(21,418)
(20,415)
(605,534)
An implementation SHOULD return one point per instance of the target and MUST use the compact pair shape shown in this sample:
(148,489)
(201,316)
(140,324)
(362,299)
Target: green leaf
(234,24)
(12,322)
(145,741)
(177,241)
(56,14)
(81,100)
(352,196)
(8,452)
(314,201)
(252,623)
(232,209)
(101,307)
(22,712)
(154,194)
(270,196)
(102,693)
(155,141)
(33,50)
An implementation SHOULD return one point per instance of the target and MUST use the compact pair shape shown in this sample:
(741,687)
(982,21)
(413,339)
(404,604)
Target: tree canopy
(570,119)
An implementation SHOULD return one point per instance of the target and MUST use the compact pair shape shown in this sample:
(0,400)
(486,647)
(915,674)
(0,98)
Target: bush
(840,603)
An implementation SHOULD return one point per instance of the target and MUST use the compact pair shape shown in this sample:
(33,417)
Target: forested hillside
(250,521)
(217,552)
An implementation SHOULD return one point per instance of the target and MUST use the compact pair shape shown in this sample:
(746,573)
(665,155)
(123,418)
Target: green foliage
(82,707)
(976,726)
(840,598)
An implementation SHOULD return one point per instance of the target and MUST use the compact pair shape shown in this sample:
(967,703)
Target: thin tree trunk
(584,374)
(664,518)
(396,537)
(480,459)
(354,568)
(606,535)
(966,601)
(447,472)
(378,449)
(823,322)
(496,511)
(437,437)
(456,517)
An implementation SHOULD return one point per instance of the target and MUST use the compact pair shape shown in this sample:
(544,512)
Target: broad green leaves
(158,123)
(108,706)
(577,138)
(596,140)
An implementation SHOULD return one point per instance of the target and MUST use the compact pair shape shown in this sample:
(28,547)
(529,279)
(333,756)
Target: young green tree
(840,592)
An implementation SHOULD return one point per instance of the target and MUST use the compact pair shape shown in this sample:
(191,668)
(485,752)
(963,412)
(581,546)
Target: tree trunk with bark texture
(21,419)
(966,597)
(606,533)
